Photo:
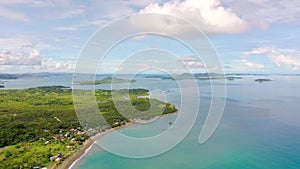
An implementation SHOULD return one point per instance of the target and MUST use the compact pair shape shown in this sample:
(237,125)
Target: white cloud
(282,58)
(208,15)
(54,65)
(192,62)
(99,12)
(261,13)
(251,65)
(19,52)
(20,58)
(47,65)
(261,50)
(13,43)
(35,56)
(28,42)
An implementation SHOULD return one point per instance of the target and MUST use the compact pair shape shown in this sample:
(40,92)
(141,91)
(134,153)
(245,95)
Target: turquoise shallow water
(259,129)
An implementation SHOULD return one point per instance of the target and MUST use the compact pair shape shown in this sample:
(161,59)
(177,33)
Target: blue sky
(255,36)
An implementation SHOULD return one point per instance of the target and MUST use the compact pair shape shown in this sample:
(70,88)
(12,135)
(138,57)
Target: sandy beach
(86,145)
(89,142)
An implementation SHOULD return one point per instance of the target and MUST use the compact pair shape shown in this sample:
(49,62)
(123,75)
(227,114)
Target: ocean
(259,129)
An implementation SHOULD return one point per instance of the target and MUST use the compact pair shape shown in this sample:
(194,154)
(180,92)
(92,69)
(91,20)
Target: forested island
(39,126)
(197,76)
(13,76)
(107,80)
(262,80)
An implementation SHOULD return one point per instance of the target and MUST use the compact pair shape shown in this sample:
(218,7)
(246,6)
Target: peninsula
(40,126)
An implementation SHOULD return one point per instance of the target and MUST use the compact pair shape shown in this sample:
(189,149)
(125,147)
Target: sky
(250,36)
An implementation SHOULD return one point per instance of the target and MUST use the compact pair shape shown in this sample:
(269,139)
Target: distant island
(198,76)
(262,80)
(233,77)
(107,80)
(12,76)
(8,76)
(2,86)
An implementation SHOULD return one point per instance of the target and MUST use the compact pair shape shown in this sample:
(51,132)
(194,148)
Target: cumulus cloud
(63,66)
(22,58)
(208,15)
(286,58)
(192,62)
(19,52)
(47,65)
(281,60)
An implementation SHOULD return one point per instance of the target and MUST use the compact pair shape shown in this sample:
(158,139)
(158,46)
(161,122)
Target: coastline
(86,146)
(69,162)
